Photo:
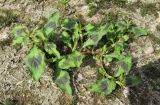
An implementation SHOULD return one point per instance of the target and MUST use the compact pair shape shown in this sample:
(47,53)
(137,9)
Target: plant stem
(75,46)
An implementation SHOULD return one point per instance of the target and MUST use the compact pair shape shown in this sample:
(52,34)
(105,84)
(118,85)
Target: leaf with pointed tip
(96,36)
(89,27)
(71,61)
(52,23)
(51,48)
(35,61)
(63,81)
(122,26)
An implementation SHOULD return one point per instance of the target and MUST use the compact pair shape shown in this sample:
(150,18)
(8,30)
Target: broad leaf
(52,24)
(119,72)
(63,81)
(51,48)
(20,40)
(68,24)
(118,48)
(70,61)
(20,30)
(96,36)
(122,26)
(89,27)
(126,63)
(104,86)
(111,86)
(35,61)
(124,66)
(90,41)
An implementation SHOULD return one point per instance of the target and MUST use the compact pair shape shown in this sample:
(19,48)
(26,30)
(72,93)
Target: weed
(66,42)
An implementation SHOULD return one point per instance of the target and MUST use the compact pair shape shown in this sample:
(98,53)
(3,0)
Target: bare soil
(17,87)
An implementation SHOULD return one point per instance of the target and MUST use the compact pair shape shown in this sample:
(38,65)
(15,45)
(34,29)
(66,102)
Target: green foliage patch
(65,43)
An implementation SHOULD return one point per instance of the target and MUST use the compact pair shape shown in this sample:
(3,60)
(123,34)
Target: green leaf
(21,34)
(125,37)
(126,63)
(52,24)
(96,36)
(108,58)
(38,36)
(63,81)
(66,39)
(89,28)
(72,60)
(104,29)
(51,48)
(111,86)
(20,40)
(104,86)
(139,31)
(93,40)
(124,66)
(119,72)
(122,26)
(20,30)
(76,33)
(90,41)
(68,24)
(118,48)
(35,61)
(103,72)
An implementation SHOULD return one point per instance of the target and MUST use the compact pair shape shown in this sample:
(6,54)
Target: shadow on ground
(148,92)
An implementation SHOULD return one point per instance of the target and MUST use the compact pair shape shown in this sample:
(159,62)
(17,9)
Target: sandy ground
(17,87)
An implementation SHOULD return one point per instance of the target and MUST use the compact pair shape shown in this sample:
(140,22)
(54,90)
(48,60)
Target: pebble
(148,50)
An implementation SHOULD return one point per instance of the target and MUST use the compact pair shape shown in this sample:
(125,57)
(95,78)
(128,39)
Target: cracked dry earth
(17,88)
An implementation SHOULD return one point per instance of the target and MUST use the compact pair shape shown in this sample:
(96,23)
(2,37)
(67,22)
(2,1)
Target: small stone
(126,92)
(132,1)
(80,77)
(148,50)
